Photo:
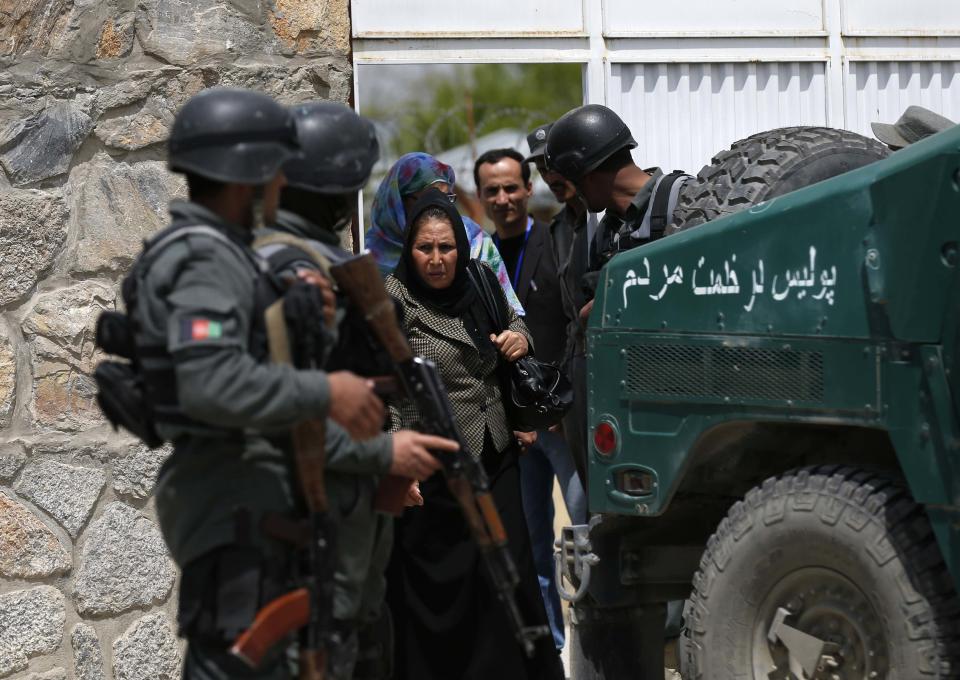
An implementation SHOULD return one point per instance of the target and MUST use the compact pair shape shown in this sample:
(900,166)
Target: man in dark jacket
(570,232)
(503,185)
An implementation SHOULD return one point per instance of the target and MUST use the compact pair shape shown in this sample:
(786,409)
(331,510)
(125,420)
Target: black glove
(303,312)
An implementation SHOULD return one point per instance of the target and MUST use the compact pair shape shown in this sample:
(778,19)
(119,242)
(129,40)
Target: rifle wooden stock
(360,279)
(272,624)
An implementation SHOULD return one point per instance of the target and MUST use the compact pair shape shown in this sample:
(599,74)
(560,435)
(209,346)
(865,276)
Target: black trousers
(448,620)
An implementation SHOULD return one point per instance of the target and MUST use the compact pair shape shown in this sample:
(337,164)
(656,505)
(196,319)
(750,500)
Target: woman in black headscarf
(449,623)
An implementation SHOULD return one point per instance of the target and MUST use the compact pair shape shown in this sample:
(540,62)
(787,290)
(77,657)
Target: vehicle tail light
(605,439)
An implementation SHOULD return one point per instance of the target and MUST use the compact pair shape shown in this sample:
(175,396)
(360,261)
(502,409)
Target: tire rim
(829,606)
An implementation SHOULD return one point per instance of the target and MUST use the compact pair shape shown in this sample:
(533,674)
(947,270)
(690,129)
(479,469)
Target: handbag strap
(486,295)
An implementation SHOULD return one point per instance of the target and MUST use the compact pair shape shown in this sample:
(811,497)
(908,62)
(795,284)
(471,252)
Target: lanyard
(523,251)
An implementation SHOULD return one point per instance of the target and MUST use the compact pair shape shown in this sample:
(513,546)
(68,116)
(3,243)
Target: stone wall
(88,89)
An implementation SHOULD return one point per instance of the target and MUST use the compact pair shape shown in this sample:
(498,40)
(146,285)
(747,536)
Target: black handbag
(536,394)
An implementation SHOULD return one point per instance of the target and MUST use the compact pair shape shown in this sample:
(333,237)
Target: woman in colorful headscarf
(409,177)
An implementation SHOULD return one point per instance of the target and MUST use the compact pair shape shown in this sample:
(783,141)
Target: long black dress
(448,622)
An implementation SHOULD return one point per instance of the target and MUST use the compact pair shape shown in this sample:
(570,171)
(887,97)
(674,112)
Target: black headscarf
(460,294)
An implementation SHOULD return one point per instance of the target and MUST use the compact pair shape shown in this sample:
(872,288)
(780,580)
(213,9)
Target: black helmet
(537,141)
(339,149)
(584,138)
(232,136)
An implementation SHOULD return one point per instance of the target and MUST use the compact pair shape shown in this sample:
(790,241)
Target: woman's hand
(414,497)
(525,440)
(512,345)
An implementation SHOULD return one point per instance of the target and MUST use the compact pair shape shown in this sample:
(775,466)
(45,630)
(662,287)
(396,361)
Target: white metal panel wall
(681,114)
(712,17)
(896,17)
(426,18)
(880,91)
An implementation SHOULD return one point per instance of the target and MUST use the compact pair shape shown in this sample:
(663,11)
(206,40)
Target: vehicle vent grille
(740,373)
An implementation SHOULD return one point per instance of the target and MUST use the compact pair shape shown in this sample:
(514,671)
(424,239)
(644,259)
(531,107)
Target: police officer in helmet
(318,202)
(590,146)
(192,300)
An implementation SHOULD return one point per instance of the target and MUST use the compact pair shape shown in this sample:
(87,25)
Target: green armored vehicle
(774,404)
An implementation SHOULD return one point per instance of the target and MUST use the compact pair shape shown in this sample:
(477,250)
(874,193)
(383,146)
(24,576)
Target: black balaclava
(328,214)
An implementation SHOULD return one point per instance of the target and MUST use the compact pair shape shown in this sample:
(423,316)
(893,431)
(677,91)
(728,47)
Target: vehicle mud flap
(614,643)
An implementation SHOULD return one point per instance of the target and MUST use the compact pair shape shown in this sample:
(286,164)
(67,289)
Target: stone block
(135,474)
(67,492)
(28,549)
(317,80)
(8,380)
(31,624)
(87,653)
(12,457)
(123,564)
(114,206)
(186,32)
(308,26)
(150,125)
(42,145)
(33,228)
(148,650)
(116,37)
(29,25)
(61,330)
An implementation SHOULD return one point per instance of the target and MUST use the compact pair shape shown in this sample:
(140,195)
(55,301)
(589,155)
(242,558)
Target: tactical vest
(140,393)
(656,218)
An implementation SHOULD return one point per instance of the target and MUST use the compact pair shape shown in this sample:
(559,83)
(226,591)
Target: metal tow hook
(808,655)
(573,560)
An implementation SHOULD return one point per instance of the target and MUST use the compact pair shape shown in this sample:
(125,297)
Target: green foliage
(494,96)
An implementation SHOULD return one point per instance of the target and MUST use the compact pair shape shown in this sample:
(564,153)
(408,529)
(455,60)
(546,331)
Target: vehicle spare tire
(823,573)
(770,164)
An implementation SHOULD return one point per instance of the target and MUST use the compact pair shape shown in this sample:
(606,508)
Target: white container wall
(681,114)
(882,90)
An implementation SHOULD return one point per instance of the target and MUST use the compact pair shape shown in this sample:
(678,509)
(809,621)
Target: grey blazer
(470,378)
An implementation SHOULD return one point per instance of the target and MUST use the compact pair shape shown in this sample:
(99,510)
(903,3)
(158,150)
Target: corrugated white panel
(720,18)
(682,114)
(896,17)
(426,18)
(881,91)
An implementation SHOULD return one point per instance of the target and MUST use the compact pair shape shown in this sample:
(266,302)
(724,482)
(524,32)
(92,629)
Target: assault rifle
(360,279)
(310,606)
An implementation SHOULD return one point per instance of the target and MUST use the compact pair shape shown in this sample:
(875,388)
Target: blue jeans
(549,457)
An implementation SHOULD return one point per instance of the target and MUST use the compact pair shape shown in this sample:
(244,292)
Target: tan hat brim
(889,135)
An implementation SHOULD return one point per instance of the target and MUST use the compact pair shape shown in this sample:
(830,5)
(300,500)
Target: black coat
(540,294)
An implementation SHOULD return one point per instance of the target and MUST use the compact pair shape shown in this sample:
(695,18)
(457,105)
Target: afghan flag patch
(201,329)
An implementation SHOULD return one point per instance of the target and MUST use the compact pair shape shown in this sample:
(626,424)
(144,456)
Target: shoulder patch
(200,328)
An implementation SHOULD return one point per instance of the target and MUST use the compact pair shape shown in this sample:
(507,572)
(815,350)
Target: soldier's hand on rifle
(354,405)
(512,345)
(411,455)
(326,290)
